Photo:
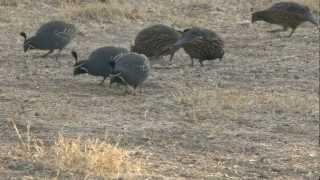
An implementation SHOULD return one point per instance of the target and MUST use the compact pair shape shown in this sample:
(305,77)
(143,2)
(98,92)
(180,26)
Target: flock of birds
(132,67)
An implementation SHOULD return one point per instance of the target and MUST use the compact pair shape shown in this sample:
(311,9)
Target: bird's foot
(276,30)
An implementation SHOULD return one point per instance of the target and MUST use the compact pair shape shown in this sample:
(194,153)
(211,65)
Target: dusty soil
(253,115)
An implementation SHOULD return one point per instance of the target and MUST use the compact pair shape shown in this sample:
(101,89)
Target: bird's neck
(265,16)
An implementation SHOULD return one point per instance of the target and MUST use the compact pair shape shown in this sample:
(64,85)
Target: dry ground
(255,115)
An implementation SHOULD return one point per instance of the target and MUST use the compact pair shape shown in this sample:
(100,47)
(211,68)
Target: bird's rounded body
(285,14)
(156,41)
(130,69)
(99,61)
(50,36)
(202,44)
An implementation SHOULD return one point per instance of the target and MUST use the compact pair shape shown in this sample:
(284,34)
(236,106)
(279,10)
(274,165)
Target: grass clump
(73,157)
(203,103)
(13,3)
(101,11)
(93,157)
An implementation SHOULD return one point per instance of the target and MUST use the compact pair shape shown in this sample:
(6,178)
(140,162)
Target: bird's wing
(290,7)
(66,33)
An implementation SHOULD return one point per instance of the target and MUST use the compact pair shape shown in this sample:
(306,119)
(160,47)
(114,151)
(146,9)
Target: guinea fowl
(202,44)
(130,69)
(285,14)
(156,41)
(98,63)
(50,36)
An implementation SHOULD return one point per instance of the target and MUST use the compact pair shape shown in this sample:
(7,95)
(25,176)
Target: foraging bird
(130,69)
(202,44)
(285,14)
(50,36)
(156,41)
(98,63)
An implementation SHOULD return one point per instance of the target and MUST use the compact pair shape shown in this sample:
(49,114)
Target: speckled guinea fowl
(285,14)
(98,63)
(130,69)
(202,44)
(156,41)
(50,36)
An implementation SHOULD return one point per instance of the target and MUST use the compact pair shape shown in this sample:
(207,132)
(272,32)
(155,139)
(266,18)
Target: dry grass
(106,11)
(278,128)
(87,157)
(9,3)
(231,103)
(94,157)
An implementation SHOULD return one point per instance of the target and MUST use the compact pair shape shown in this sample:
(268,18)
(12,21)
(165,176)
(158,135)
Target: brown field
(254,115)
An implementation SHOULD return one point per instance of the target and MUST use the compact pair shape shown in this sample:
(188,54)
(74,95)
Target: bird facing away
(130,69)
(98,63)
(285,14)
(202,44)
(156,41)
(50,36)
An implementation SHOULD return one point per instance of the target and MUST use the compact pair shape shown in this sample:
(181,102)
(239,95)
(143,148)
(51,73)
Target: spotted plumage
(156,41)
(98,63)
(130,69)
(285,14)
(202,44)
(54,35)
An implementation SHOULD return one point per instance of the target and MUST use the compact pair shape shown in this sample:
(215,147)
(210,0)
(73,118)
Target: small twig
(146,115)
(18,133)
(28,136)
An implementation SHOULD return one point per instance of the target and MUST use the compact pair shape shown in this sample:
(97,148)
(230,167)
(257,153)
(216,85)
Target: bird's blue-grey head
(220,54)
(117,79)
(28,43)
(79,66)
(189,36)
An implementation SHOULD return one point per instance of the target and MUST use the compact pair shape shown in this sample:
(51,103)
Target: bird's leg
(102,82)
(140,89)
(127,90)
(285,28)
(46,54)
(191,61)
(292,31)
(134,91)
(171,57)
(201,63)
(57,55)
(275,30)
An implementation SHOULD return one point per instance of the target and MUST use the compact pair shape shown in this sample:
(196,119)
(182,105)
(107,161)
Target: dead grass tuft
(94,157)
(64,3)
(13,3)
(101,11)
(230,103)
(87,157)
